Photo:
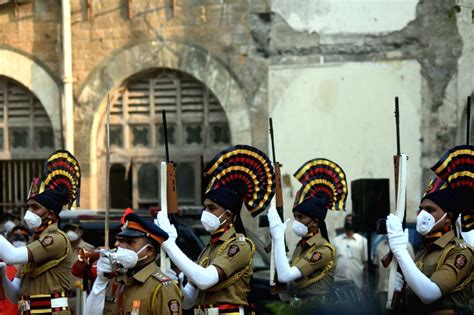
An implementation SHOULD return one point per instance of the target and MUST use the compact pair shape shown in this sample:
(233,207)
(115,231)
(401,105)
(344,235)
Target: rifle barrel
(271,139)
(165,133)
(107,176)
(468,122)
(397,124)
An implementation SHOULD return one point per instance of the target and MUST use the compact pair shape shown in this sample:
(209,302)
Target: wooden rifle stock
(400,170)
(171,193)
(278,190)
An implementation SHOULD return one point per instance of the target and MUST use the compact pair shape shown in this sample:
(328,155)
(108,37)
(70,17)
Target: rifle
(400,174)
(468,120)
(277,287)
(107,176)
(168,194)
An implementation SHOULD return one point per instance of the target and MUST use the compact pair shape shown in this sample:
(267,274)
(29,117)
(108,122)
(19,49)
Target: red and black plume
(456,167)
(60,184)
(239,174)
(322,179)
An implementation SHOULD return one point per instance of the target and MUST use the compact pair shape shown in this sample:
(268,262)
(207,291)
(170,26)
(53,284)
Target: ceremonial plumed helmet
(453,189)
(60,183)
(241,174)
(324,187)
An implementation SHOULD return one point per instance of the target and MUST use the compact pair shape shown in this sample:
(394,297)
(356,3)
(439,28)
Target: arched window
(197,129)
(26,140)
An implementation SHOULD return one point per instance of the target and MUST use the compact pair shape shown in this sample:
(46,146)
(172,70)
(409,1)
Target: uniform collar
(444,240)
(228,233)
(146,272)
(52,228)
(316,239)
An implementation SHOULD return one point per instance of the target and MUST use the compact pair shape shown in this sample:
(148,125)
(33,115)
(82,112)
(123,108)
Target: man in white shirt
(351,255)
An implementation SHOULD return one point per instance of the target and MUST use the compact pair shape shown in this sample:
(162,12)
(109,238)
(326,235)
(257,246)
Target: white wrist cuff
(204,278)
(426,290)
(284,271)
(11,254)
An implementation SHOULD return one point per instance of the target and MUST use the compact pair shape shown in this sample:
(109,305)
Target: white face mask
(299,228)
(19,244)
(126,257)
(425,222)
(210,222)
(73,236)
(129,258)
(32,220)
(8,226)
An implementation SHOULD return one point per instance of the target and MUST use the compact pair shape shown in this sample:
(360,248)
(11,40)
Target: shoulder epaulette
(164,279)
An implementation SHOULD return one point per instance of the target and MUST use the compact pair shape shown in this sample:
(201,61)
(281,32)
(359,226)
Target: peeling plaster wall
(344,112)
(350,16)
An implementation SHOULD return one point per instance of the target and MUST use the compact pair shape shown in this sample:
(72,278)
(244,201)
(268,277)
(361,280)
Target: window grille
(26,140)
(197,127)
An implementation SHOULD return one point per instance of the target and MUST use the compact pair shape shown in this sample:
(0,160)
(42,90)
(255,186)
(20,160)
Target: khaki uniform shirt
(51,266)
(314,258)
(232,253)
(147,292)
(452,271)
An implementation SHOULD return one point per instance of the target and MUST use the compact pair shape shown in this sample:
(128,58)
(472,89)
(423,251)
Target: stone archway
(110,74)
(34,77)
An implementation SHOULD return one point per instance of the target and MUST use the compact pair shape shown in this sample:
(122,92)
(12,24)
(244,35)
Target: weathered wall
(431,40)
(344,112)
(247,38)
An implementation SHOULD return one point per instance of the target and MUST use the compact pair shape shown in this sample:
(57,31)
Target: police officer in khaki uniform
(439,278)
(310,273)
(42,285)
(129,280)
(220,281)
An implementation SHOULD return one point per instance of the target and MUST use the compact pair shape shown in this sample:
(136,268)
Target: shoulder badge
(173,306)
(165,280)
(460,261)
(47,241)
(316,257)
(233,250)
(463,245)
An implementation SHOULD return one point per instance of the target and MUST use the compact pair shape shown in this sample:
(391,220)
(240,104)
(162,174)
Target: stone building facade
(326,72)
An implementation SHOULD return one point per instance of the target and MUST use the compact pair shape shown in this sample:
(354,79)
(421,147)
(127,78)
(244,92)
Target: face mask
(8,226)
(126,257)
(32,220)
(425,222)
(299,228)
(210,222)
(73,236)
(19,244)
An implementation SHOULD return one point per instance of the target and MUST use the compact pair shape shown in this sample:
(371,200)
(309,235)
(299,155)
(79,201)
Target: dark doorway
(120,187)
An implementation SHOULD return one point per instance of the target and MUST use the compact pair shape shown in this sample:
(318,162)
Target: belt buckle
(23,305)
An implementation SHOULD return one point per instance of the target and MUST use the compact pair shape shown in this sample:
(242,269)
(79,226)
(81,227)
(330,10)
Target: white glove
(396,237)
(172,274)
(277,227)
(164,223)
(104,265)
(399,282)
(10,288)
